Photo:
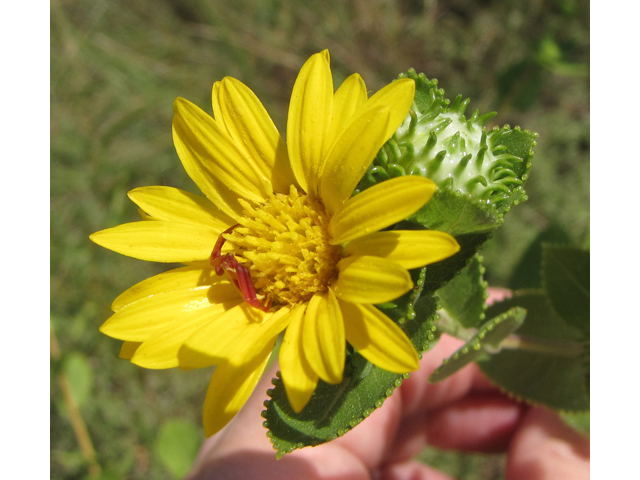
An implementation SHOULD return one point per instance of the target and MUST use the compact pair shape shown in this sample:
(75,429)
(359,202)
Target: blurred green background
(116,68)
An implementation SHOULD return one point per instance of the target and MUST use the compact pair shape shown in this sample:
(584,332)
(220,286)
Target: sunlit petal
(398,96)
(229,389)
(212,159)
(348,99)
(221,338)
(353,152)
(379,207)
(371,280)
(139,320)
(250,126)
(299,378)
(408,248)
(378,339)
(159,241)
(177,279)
(323,337)
(173,204)
(309,120)
(161,349)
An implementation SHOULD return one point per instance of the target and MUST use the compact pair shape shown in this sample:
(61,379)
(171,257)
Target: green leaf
(565,275)
(580,421)
(80,376)
(527,274)
(177,445)
(335,409)
(457,214)
(485,341)
(544,363)
(463,298)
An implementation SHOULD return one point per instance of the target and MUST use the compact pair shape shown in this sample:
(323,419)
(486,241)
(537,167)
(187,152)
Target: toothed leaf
(485,341)
(548,367)
(565,275)
(463,298)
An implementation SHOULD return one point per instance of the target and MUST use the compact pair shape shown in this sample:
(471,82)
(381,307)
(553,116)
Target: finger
(420,395)
(479,422)
(545,448)
(241,450)
(410,470)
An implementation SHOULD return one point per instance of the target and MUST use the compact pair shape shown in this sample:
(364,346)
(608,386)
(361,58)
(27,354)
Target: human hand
(464,412)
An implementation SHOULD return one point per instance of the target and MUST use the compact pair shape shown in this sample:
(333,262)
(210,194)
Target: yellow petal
(159,241)
(370,280)
(250,125)
(177,279)
(408,248)
(352,153)
(128,349)
(348,99)
(379,207)
(361,138)
(297,375)
(309,119)
(229,389)
(161,349)
(398,96)
(221,338)
(235,337)
(215,104)
(173,204)
(323,337)
(378,339)
(213,161)
(139,320)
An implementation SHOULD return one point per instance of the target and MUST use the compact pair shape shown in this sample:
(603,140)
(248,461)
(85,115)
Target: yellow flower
(279,243)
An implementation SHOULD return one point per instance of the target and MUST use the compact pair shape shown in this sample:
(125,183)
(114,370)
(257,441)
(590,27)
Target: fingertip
(545,448)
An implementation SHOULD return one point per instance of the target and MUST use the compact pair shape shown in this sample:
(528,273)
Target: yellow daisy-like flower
(278,244)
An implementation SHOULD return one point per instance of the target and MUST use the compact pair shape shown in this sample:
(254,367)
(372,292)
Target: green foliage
(463,298)
(177,445)
(80,377)
(543,363)
(487,340)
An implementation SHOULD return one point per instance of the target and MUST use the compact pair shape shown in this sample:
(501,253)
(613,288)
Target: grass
(116,68)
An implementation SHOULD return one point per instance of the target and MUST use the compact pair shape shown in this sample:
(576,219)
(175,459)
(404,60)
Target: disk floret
(285,245)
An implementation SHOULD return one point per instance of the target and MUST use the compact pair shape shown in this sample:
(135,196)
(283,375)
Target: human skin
(464,412)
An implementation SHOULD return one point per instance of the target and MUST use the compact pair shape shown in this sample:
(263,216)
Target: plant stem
(447,325)
(77,423)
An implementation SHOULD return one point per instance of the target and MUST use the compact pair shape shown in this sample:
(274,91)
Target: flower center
(285,245)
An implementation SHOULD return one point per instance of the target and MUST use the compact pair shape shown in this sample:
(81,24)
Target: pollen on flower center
(285,245)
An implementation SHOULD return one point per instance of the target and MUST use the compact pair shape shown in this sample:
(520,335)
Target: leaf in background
(464,296)
(485,341)
(177,445)
(520,84)
(80,377)
(527,274)
(580,421)
(547,367)
(565,276)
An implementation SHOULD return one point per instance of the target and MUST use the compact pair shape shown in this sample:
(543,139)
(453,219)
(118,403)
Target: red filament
(238,273)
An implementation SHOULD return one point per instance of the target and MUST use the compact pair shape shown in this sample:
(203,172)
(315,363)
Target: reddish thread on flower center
(238,273)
